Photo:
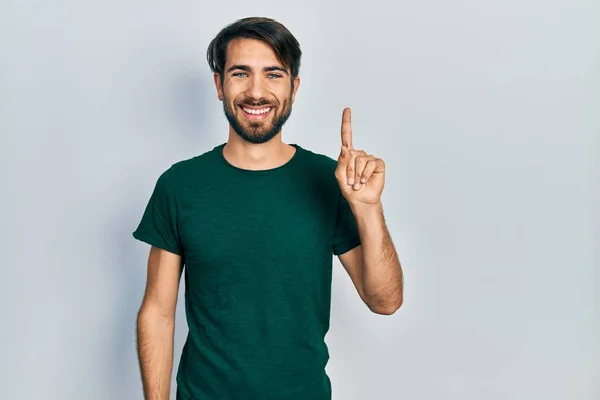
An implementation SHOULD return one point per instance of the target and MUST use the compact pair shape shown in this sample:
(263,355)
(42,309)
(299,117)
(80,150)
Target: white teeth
(257,112)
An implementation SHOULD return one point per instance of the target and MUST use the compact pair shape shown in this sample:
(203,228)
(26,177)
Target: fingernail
(350,181)
(357,186)
(363,180)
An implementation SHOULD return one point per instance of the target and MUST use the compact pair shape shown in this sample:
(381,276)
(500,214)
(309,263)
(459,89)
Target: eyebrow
(265,69)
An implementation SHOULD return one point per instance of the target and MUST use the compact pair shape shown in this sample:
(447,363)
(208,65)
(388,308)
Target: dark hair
(273,33)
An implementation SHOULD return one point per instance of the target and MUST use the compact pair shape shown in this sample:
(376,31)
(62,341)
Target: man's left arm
(374,266)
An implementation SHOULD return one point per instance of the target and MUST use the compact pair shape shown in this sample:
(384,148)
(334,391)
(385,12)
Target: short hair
(267,30)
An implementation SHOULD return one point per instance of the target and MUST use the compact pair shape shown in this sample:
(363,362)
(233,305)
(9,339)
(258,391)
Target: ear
(296,86)
(218,85)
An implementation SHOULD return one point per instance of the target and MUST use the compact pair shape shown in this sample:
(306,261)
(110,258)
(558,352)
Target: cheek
(232,92)
(284,95)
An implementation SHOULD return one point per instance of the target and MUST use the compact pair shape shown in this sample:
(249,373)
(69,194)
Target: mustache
(256,103)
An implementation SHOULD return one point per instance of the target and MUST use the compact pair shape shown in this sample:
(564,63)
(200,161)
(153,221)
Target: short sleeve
(346,235)
(159,226)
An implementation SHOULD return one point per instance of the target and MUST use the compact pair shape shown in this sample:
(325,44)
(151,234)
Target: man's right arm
(156,323)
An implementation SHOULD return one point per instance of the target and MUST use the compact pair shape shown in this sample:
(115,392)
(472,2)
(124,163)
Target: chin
(256,139)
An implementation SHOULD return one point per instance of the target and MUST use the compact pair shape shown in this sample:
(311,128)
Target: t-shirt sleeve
(158,226)
(346,235)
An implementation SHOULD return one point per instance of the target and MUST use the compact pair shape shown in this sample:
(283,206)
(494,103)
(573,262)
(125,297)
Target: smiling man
(253,224)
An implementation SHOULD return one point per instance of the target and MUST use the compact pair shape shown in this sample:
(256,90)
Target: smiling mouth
(257,113)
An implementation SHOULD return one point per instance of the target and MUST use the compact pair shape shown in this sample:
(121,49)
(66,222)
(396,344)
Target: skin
(256,144)
(156,323)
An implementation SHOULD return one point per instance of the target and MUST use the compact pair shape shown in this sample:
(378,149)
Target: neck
(263,156)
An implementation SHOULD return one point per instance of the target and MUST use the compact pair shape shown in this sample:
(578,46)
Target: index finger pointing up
(347,128)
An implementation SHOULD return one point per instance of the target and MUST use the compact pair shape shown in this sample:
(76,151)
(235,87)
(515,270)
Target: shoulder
(319,170)
(190,168)
(318,162)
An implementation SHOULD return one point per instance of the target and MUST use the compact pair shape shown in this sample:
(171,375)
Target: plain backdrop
(486,113)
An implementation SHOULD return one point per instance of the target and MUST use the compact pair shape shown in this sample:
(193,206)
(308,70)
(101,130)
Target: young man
(255,222)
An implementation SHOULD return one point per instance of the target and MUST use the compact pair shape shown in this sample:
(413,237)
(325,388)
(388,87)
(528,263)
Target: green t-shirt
(257,248)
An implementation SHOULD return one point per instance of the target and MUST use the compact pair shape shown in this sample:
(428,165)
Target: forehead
(251,52)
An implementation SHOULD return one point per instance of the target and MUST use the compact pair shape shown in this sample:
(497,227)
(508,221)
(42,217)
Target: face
(257,91)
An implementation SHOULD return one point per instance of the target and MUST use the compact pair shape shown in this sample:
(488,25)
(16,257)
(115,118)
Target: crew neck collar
(287,164)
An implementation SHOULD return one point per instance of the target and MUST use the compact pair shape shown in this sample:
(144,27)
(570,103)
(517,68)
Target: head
(255,63)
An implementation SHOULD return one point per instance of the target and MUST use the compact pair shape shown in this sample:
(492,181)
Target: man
(255,222)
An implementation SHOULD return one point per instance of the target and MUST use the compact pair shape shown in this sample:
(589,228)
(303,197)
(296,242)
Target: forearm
(155,351)
(382,276)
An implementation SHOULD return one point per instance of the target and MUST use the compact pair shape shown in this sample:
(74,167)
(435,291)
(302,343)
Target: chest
(253,234)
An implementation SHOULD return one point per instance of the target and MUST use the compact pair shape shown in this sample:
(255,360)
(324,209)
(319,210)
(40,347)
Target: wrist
(366,210)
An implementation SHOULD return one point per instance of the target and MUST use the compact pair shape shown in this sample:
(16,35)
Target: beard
(257,132)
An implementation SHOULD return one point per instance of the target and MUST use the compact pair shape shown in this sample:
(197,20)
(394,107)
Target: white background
(488,117)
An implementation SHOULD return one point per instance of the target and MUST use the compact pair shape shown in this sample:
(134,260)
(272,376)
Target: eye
(239,74)
(274,76)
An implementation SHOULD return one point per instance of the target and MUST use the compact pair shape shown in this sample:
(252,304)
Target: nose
(256,89)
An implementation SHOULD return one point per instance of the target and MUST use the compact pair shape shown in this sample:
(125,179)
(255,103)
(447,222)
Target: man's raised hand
(361,176)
